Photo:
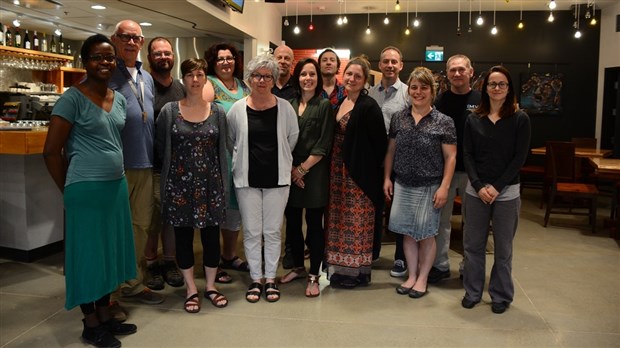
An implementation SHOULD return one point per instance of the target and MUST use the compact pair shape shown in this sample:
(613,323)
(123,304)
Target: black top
(364,146)
(494,153)
(458,106)
(263,147)
(286,92)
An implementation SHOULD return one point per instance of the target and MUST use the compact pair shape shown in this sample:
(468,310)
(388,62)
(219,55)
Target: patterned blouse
(418,159)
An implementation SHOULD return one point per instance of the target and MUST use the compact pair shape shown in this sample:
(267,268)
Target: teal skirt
(99,246)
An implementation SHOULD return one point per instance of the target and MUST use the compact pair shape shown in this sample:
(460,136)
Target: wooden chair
(532,175)
(568,195)
(586,143)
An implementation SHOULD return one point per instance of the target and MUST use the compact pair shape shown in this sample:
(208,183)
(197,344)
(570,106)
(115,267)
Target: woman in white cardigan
(262,133)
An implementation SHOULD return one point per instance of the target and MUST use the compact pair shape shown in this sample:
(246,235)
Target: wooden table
(579,152)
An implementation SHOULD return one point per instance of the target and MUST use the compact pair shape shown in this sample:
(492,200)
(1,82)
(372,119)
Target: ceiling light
(339,21)
(386,21)
(16,2)
(58,32)
(344,19)
(480,20)
(368,30)
(407,31)
(552,5)
(577,13)
(593,21)
(286,23)
(368,24)
(146,24)
(16,23)
(397,6)
(311,26)
(416,21)
(458,20)
(98,7)
(521,25)
(494,29)
(296,30)
(577,34)
(550,18)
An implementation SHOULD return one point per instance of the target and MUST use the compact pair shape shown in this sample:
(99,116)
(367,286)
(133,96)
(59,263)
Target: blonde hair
(425,76)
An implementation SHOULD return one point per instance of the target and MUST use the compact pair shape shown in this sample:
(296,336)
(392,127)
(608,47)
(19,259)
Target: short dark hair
(92,41)
(510,104)
(193,64)
(332,51)
(297,72)
(211,58)
(159,38)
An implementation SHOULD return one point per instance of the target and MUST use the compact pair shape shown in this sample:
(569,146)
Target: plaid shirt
(336,96)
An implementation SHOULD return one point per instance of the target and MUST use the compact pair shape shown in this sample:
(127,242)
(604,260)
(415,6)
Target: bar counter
(31,206)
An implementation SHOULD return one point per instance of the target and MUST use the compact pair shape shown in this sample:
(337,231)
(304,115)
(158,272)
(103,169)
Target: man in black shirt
(456,103)
(283,87)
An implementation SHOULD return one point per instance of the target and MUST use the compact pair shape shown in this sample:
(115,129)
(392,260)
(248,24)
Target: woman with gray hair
(262,133)
(421,155)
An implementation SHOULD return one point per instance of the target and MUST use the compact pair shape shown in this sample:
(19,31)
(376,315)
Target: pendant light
(344,19)
(521,25)
(593,20)
(296,30)
(286,23)
(469,27)
(368,24)
(577,31)
(339,21)
(407,31)
(416,21)
(480,20)
(386,21)
(397,6)
(494,29)
(458,19)
(311,26)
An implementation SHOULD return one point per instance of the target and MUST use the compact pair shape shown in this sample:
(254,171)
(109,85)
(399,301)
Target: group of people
(142,156)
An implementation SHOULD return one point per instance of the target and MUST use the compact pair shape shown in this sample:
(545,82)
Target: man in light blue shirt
(392,96)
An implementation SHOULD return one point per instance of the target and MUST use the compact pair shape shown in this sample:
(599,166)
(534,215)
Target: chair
(532,175)
(585,143)
(565,194)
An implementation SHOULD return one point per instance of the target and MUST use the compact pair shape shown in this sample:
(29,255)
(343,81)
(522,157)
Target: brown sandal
(294,274)
(313,279)
(217,298)
(192,301)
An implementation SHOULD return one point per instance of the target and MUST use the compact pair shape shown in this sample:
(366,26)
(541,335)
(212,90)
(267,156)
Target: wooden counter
(22,142)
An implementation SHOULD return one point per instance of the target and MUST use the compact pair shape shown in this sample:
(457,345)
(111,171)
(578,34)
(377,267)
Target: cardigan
(163,143)
(364,147)
(288,132)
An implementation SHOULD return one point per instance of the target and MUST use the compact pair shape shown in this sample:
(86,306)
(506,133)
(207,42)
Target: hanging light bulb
(296,30)
(311,26)
(593,20)
(286,23)
(368,25)
(344,19)
(552,5)
(17,23)
(588,14)
(480,20)
(386,21)
(407,31)
(550,18)
(577,32)
(469,27)
(58,32)
(494,29)
(397,6)
(416,21)
(368,30)
(521,25)
(458,20)
(339,21)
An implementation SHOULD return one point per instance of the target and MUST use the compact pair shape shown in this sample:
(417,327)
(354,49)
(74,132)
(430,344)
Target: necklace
(225,85)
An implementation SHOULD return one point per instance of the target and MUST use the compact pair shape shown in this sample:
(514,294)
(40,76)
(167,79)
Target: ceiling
(179,18)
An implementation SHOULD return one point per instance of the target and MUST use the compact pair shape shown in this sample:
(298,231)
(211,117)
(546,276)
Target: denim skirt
(413,213)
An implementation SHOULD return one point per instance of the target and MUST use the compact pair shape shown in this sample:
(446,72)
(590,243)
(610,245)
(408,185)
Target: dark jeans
(210,237)
(315,236)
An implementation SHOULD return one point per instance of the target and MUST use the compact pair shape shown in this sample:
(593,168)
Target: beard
(162,68)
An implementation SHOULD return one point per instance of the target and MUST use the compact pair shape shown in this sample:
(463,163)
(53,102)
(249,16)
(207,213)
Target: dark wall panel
(540,47)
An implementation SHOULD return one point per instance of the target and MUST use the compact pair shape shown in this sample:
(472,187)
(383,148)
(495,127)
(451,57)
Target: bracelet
(301,171)
(304,169)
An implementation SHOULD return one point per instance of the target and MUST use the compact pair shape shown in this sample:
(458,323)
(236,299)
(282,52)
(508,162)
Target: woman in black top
(496,144)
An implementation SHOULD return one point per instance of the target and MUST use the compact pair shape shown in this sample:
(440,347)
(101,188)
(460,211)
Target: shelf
(32,54)
(73,70)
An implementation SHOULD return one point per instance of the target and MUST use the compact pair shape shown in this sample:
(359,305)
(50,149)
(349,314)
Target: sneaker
(117,312)
(154,279)
(171,274)
(435,275)
(147,297)
(399,269)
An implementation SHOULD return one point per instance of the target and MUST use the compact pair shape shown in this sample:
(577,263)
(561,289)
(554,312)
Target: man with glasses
(167,89)
(392,95)
(283,87)
(456,103)
(137,86)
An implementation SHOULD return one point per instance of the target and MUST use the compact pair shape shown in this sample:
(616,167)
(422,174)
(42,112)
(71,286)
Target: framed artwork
(541,93)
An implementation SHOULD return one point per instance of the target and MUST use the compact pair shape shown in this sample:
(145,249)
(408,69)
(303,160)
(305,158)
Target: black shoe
(499,307)
(99,337)
(154,279)
(115,327)
(467,303)
(287,260)
(435,275)
(417,294)
(171,274)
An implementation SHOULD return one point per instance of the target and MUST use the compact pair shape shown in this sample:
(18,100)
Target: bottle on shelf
(43,42)
(61,45)
(27,44)
(35,42)
(69,50)
(8,37)
(1,34)
(53,44)
(18,38)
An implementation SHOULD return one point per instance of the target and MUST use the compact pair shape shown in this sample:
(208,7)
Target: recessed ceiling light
(146,24)
(98,7)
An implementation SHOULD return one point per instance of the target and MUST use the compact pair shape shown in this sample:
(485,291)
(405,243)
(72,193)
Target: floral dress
(194,185)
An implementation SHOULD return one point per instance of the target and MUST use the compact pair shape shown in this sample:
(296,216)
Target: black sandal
(274,292)
(252,291)
(234,265)
(223,277)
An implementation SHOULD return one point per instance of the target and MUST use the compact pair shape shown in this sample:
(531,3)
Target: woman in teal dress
(310,174)
(84,156)
(225,86)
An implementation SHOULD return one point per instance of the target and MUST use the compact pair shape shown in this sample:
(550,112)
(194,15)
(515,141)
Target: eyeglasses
(258,77)
(98,58)
(501,85)
(221,60)
(160,54)
(127,37)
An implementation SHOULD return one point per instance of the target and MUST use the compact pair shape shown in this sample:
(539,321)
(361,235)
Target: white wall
(609,55)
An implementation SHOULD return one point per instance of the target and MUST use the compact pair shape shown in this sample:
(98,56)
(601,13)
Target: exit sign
(433,54)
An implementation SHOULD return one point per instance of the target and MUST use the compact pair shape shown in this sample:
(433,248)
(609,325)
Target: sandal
(271,289)
(235,264)
(192,301)
(222,277)
(255,289)
(215,300)
(312,279)
(294,274)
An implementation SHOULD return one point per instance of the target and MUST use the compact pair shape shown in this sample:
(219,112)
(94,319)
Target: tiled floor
(567,295)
